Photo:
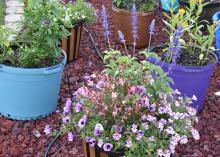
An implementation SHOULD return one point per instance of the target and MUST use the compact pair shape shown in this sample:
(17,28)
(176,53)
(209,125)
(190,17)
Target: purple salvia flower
(134,23)
(175,50)
(122,39)
(107,147)
(121,36)
(47,129)
(105,21)
(70,136)
(67,108)
(152,27)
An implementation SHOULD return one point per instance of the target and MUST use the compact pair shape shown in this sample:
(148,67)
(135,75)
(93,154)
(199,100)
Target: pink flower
(84,91)
(121,82)
(134,128)
(114,95)
(129,143)
(151,118)
(116,136)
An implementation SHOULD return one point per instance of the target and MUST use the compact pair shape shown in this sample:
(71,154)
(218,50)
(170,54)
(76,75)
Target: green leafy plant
(142,5)
(188,44)
(6,53)
(44,24)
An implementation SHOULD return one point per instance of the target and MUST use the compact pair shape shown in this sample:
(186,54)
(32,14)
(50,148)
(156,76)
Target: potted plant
(189,56)
(210,7)
(170,5)
(128,110)
(132,18)
(31,64)
(216,18)
(73,14)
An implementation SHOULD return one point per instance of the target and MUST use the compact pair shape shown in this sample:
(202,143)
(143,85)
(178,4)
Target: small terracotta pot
(122,20)
(95,151)
(71,44)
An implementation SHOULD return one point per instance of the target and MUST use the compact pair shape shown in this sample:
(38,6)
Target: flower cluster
(119,110)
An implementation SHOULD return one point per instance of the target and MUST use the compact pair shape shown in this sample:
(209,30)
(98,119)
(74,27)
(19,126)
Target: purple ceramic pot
(190,80)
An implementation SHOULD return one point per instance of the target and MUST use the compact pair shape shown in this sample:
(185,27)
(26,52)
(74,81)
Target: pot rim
(115,153)
(19,70)
(139,13)
(210,4)
(206,67)
(216,16)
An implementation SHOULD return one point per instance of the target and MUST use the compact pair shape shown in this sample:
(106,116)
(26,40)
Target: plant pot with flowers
(31,64)
(73,14)
(209,9)
(189,57)
(124,10)
(128,110)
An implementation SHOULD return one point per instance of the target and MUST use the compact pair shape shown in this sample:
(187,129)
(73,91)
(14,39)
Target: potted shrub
(170,5)
(216,18)
(210,7)
(132,18)
(31,65)
(128,110)
(189,56)
(73,14)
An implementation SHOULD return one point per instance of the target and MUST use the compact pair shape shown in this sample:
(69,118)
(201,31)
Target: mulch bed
(17,138)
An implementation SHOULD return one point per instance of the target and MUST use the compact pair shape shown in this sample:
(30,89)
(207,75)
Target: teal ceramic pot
(27,94)
(167,4)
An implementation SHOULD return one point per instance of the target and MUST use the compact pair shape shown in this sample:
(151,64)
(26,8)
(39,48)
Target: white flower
(170,130)
(194,98)
(183,139)
(195,134)
(151,118)
(191,111)
(67,18)
(99,126)
(100,143)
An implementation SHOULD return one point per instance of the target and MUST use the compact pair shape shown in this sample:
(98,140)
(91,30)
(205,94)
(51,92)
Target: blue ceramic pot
(190,80)
(216,18)
(27,94)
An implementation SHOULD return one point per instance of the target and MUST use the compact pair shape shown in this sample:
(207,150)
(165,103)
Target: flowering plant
(142,5)
(130,107)
(188,44)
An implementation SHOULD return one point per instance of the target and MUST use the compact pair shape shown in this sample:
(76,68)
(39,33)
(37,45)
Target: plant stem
(109,42)
(126,50)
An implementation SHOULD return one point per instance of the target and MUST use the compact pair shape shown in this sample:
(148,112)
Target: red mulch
(17,138)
